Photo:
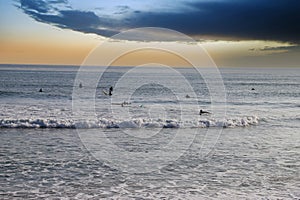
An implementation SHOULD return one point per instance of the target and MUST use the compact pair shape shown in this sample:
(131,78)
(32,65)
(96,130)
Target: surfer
(125,103)
(41,90)
(110,90)
(203,112)
(80,85)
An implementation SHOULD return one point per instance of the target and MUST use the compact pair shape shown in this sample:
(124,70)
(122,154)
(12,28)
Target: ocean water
(78,143)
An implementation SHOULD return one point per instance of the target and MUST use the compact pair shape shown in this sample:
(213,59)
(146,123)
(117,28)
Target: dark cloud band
(240,19)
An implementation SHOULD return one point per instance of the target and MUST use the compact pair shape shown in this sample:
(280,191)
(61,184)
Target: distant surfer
(187,96)
(125,103)
(110,90)
(252,88)
(203,112)
(80,85)
(41,90)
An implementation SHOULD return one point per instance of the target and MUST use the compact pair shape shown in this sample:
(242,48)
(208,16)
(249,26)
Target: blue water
(160,149)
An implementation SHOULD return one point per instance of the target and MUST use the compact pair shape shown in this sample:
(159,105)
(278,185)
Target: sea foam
(132,123)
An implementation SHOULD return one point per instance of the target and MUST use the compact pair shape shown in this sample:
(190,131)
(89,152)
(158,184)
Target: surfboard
(124,103)
(104,92)
(116,103)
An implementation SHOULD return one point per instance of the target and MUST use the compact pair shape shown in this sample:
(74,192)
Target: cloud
(276,20)
(58,1)
(35,6)
(243,19)
(122,10)
(276,50)
(83,21)
(294,48)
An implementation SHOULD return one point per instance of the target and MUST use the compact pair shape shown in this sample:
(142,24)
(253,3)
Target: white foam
(132,123)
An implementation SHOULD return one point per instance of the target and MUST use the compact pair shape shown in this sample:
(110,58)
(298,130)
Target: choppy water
(251,153)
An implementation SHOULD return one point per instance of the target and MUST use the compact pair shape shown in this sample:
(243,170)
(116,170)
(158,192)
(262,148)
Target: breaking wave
(132,123)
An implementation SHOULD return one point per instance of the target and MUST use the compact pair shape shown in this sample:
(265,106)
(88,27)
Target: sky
(235,33)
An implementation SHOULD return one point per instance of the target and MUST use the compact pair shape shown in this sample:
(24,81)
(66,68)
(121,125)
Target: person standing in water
(110,90)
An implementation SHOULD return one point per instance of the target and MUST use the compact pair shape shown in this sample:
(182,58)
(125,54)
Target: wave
(133,123)
(9,93)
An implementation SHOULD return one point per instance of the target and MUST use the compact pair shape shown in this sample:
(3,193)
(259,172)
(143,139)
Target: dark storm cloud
(37,6)
(83,21)
(77,20)
(244,19)
(277,20)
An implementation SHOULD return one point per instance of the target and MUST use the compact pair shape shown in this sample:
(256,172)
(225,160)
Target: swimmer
(203,112)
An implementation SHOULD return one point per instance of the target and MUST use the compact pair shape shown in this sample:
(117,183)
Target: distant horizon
(71,65)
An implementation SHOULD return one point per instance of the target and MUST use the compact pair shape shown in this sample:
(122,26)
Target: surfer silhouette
(110,91)
(203,112)
(41,90)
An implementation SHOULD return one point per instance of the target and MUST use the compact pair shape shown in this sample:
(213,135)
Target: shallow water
(247,163)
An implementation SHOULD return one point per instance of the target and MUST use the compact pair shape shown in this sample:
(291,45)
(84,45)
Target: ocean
(147,140)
